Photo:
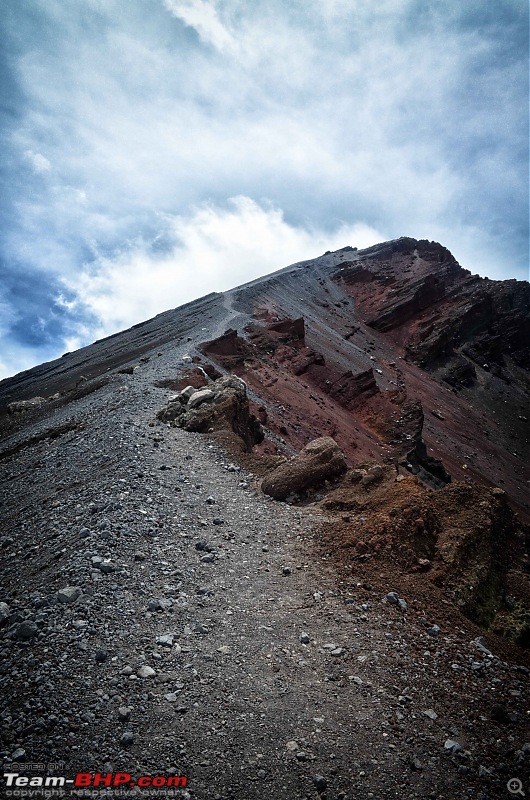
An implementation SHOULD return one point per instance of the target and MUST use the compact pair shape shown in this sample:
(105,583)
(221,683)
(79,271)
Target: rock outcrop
(223,405)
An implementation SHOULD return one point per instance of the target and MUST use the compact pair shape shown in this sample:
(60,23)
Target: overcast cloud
(156,150)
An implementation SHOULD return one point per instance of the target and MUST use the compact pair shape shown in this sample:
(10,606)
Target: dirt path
(272,680)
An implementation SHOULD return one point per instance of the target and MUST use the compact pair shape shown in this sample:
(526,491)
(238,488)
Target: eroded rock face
(319,461)
(465,538)
(223,405)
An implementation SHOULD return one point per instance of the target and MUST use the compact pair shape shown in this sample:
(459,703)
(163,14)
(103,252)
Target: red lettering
(83,779)
(121,777)
(158,780)
(144,780)
(176,780)
(105,780)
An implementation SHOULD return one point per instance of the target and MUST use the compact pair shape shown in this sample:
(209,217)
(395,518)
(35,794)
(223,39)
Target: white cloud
(39,162)
(404,115)
(214,249)
(203,17)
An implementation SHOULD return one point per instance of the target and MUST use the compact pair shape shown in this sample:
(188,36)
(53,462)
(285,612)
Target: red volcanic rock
(319,461)
(228,349)
(349,389)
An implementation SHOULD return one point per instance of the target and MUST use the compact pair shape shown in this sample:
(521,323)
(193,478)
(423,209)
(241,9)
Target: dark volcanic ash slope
(160,614)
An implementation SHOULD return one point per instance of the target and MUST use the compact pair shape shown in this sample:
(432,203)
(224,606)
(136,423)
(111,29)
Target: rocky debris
(21,406)
(320,460)
(464,539)
(224,406)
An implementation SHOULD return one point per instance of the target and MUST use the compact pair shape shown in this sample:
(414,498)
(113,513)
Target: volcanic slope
(414,345)
(161,615)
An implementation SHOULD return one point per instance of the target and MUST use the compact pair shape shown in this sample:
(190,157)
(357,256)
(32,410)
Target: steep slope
(161,615)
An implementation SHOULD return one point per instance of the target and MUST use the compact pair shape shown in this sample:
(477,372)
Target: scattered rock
(4,613)
(127,739)
(146,672)
(25,630)
(69,594)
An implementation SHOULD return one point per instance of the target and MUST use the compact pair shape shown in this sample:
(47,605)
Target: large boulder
(320,460)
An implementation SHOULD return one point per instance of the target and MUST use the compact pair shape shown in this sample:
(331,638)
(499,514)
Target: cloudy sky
(155,150)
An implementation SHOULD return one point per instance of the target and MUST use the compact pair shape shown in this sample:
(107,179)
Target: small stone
(402,604)
(19,754)
(481,644)
(4,613)
(26,630)
(286,571)
(218,521)
(124,713)
(69,594)
(127,670)
(431,714)
(153,604)
(146,672)
(320,782)
(392,597)
(171,697)
(127,739)
(434,630)
(209,558)
(301,756)
(201,629)
(338,651)
(450,746)
(200,397)
(304,638)
(224,649)
(210,500)
(166,640)
(415,763)
(292,746)
(101,656)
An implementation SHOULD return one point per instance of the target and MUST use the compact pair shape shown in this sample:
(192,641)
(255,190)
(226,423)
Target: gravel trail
(204,634)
